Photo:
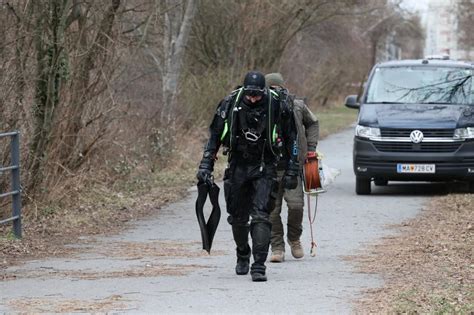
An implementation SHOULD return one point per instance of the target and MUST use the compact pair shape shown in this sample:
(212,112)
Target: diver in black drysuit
(254,127)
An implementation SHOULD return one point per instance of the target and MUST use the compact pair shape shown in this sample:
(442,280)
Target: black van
(416,123)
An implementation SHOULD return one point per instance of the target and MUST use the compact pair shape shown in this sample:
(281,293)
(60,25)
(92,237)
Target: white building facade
(440,23)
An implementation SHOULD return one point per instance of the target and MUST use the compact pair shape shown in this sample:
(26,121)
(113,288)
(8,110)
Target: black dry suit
(254,136)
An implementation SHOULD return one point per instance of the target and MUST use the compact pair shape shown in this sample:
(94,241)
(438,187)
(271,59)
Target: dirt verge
(428,267)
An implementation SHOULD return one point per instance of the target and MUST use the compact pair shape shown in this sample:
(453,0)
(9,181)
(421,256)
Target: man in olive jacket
(307,126)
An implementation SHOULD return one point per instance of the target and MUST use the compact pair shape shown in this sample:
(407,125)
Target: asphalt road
(157,265)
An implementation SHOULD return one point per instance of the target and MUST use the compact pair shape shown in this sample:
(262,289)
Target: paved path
(157,265)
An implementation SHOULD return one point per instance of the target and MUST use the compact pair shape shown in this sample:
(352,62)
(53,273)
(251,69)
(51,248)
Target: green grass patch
(405,304)
(335,119)
(10,236)
(447,301)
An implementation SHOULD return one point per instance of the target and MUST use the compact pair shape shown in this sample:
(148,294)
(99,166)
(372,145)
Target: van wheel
(380,182)
(471,187)
(362,186)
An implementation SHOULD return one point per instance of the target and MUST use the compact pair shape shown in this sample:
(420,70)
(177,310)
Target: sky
(416,5)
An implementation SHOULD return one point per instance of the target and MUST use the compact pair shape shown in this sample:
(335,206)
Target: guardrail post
(16,202)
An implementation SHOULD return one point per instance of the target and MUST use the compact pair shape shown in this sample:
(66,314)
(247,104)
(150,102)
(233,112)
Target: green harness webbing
(272,132)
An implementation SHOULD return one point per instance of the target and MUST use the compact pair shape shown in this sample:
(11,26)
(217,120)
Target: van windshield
(422,84)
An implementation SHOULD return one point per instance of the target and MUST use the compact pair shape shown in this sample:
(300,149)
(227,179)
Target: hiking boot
(277,256)
(296,248)
(242,267)
(258,277)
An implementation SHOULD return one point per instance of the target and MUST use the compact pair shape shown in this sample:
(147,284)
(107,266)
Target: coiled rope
(313,187)
(311,175)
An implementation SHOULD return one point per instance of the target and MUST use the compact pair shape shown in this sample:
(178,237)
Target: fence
(15,182)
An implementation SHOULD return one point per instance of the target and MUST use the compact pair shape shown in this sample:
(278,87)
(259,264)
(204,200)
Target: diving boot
(296,248)
(277,256)
(260,231)
(242,267)
(258,277)
(243,261)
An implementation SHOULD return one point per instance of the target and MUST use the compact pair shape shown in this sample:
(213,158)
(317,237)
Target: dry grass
(162,249)
(59,305)
(428,267)
(128,251)
(148,270)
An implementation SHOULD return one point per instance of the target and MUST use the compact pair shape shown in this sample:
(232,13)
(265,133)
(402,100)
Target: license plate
(416,168)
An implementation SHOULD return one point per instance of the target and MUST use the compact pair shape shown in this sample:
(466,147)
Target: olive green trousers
(295,202)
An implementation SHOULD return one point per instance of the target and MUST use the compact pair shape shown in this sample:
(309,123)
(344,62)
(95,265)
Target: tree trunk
(48,41)
(174,43)
(81,86)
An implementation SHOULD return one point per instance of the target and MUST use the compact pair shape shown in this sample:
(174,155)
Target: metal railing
(15,182)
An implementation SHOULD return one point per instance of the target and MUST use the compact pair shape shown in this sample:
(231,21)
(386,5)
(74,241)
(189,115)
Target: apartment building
(440,23)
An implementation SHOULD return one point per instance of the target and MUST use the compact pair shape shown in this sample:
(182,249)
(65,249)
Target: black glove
(290,180)
(203,175)
(206,167)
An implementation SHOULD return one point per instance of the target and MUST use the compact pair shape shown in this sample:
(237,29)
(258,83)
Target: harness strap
(237,92)
(272,132)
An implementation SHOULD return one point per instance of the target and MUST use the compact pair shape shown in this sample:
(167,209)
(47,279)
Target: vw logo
(416,136)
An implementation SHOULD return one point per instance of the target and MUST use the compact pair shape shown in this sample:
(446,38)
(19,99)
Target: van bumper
(368,162)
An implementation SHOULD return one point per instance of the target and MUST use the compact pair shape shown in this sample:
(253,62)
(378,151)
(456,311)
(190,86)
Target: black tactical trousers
(248,193)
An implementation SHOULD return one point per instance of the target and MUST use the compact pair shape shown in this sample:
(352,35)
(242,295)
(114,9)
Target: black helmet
(254,83)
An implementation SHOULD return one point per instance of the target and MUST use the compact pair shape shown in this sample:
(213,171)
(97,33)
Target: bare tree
(230,38)
(163,35)
(69,41)
(465,9)
(92,55)
(176,34)
(255,34)
(389,20)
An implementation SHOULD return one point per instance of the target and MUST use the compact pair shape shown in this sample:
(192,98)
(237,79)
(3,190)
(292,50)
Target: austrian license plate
(416,168)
